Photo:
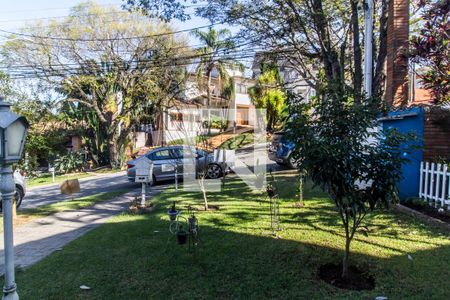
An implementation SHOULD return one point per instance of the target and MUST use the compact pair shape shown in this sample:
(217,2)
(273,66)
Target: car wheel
(291,163)
(214,171)
(19,196)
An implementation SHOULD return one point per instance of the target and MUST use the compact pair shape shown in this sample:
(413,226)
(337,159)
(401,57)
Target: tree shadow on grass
(136,257)
(139,259)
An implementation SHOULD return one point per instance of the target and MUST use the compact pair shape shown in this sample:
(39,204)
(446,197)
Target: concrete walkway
(41,237)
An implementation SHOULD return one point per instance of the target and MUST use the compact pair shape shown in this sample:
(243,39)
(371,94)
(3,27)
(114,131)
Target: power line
(172,63)
(108,39)
(123,38)
(228,50)
(62,70)
(85,15)
(66,69)
(139,64)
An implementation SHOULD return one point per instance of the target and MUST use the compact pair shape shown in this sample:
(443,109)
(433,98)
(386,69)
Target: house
(290,76)
(412,107)
(184,117)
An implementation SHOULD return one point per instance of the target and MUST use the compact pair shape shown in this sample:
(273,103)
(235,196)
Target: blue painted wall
(405,121)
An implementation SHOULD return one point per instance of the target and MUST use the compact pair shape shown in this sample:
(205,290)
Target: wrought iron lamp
(13,131)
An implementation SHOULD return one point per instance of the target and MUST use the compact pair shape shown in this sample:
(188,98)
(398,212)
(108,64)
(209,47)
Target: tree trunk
(346,256)
(208,93)
(113,151)
(378,84)
(357,79)
(300,188)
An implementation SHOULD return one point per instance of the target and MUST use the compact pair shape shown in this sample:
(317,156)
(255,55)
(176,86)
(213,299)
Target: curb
(421,216)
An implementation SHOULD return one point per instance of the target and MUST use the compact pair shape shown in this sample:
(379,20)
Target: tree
(332,142)
(320,39)
(46,135)
(212,59)
(163,9)
(268,94)
(123,71)
(431,47)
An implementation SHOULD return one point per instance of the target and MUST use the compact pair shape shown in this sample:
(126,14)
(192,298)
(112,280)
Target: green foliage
(356,165)
(71,162)
(45,138)
(164,9)
(268,94)
(431,48)
(216,41)
(215,123)
(112,85)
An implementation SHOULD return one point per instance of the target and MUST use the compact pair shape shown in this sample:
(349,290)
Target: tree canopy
(121,69)
(430,47)
(269,95)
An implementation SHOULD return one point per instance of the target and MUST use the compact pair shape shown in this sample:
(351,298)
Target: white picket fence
(435,184)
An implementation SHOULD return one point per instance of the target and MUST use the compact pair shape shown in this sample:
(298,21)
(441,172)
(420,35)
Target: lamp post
(13,130)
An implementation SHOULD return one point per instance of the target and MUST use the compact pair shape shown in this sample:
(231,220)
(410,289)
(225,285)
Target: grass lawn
(197,139)
(239,141)
(135,257)
(28,214)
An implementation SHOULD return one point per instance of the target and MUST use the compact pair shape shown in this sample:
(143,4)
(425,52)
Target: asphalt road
(42,195)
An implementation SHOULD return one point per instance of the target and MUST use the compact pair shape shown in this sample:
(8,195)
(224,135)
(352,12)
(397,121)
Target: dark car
(280,150)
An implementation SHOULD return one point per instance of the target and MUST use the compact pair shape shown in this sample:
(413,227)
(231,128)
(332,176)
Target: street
(42,195)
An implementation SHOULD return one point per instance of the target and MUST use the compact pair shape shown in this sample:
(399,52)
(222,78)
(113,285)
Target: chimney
(397,45)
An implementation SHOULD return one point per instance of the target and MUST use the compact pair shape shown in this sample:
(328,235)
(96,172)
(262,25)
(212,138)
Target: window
(184,153)
(241,88)
(176,117)
(161,155)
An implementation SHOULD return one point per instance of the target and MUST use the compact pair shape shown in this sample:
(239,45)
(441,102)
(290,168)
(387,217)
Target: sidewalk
(41,237)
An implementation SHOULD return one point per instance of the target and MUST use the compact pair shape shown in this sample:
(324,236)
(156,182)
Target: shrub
(71,162)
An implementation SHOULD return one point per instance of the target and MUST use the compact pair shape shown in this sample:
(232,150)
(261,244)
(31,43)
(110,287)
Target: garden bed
(426,213)
(443,215)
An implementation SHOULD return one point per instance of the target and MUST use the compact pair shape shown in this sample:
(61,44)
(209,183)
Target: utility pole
(368,59)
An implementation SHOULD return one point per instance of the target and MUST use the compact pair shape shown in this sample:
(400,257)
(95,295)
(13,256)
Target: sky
(15,14)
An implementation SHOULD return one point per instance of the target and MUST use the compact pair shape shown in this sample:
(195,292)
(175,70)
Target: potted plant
(181,236)
(173,212)
(270,190)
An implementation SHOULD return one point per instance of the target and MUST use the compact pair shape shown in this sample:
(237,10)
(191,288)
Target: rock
(85,287)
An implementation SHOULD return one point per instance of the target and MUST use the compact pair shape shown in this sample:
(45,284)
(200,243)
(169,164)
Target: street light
(13,130)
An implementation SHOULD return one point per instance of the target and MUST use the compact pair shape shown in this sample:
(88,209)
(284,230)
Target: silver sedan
(168,159)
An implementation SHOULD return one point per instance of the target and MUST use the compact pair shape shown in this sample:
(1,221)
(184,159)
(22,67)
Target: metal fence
(435,184)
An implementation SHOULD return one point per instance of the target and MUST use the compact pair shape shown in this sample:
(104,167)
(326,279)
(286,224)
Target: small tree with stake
(332,138)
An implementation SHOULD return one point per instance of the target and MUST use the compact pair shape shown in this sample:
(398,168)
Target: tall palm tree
(217,42)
